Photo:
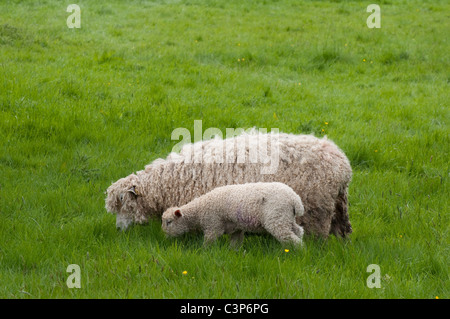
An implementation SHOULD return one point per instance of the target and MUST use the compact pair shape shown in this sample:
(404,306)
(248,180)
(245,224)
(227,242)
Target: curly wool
(315,168)
(235,209)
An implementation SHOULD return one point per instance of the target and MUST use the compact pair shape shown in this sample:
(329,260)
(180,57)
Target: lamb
(315,168)
(235,209)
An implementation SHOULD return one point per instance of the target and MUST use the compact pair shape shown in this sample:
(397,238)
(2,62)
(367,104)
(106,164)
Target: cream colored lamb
(235,209)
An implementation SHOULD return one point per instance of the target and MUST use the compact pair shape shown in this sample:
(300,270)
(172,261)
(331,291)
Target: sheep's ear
(132,189)
(177,213)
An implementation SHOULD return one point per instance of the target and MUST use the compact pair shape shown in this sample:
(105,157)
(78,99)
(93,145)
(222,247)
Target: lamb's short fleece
(235,209)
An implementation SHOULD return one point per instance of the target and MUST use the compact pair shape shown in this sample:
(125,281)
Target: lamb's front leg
(211,234)
(236,238)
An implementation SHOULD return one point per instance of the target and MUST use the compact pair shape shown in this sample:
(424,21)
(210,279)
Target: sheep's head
(125,200)
(173,222)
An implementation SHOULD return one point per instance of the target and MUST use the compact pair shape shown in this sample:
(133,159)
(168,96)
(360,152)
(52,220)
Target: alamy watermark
(74,280)
(255,147)
(374,20)
(374,280)
(74,20)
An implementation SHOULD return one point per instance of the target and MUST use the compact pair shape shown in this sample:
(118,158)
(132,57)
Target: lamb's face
(173,222)
(122,199)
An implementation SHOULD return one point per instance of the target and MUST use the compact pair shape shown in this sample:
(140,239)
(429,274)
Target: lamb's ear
(177,213)
(132,189)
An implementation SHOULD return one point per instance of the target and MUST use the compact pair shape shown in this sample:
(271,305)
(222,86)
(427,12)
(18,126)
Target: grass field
(81,108)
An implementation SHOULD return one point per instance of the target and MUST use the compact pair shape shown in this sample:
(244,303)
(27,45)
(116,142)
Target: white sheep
(315,168)
(235,209)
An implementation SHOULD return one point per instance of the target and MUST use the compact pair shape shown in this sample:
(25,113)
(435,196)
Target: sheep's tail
(340,225)
(299,210)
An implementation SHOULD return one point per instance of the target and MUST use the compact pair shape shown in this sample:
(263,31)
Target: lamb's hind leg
(289,238)
(284,234)
(297,229)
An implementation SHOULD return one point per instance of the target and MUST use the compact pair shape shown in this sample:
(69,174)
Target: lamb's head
(125,200)
(173,222)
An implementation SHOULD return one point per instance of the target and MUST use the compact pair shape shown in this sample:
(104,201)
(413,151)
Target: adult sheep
(315,168)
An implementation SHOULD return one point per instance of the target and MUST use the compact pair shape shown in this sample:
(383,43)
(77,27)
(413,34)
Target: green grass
(81,108)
